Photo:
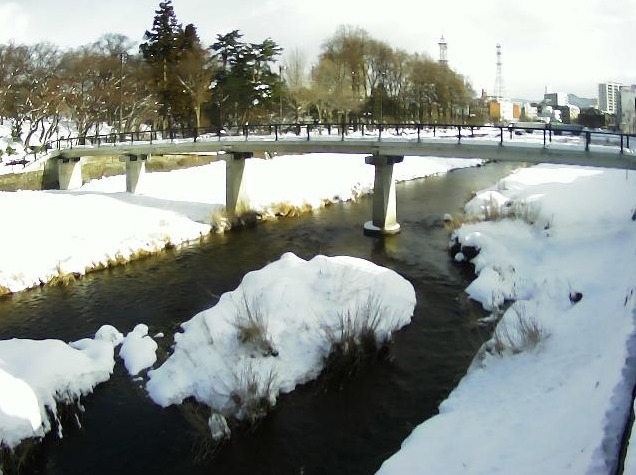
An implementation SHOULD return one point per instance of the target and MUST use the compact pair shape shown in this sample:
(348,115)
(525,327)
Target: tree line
(173,80)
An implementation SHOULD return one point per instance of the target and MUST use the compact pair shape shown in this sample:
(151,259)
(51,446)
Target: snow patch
(38,375)
(291,304)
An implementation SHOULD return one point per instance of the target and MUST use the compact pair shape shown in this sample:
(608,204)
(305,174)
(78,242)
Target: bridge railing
(345,131)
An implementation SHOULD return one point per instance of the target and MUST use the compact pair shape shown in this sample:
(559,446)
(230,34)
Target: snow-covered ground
(551,391)
(50,234)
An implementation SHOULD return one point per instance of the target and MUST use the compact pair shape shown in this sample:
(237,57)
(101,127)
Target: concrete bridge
(513,144)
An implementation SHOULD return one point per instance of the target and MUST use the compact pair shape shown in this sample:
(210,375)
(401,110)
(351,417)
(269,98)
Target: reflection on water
(319,429)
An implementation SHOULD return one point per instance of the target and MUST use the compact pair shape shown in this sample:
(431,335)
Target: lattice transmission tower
(443,51)
(500,90)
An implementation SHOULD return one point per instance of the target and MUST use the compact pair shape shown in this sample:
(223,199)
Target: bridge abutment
(384,195)
(235,194)
(135,171)
(69,173)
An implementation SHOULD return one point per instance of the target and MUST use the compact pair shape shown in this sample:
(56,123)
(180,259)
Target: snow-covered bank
(276,330)
(36,376)
(47,235)
(550,393)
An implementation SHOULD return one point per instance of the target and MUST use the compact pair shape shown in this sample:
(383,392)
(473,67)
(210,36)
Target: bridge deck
(573,153)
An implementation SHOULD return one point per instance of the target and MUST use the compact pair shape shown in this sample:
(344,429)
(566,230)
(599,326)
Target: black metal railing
(305,130)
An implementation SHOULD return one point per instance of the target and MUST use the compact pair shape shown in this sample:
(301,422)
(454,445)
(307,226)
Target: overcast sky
(564,45)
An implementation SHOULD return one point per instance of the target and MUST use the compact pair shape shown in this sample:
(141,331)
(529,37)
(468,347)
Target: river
(322,428)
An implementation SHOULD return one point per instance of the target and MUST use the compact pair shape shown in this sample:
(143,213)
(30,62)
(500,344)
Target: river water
(322,428)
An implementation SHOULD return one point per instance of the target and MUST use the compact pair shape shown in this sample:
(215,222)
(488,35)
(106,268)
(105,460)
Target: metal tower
(500,91)
(443,51)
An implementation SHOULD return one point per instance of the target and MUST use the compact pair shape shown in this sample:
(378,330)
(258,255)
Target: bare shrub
(525,334)
(252,395)
(251,326)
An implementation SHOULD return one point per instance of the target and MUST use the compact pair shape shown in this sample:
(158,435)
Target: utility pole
(281,68)
(121,91)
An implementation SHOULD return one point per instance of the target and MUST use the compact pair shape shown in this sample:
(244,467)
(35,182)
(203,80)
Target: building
(569,113)
(504,111)
(530,111)
(608,94)
(555,99)
(626,110)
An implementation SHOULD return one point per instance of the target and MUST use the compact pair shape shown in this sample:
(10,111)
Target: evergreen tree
(245,84)
(162,50)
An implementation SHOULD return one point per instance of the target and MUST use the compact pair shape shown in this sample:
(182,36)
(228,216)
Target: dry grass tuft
(526,333)
(355,339)
(251,326)
(62,278)
(285,209)
(252,396)
(220,221)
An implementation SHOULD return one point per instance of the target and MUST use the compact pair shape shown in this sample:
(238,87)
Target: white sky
(566,45)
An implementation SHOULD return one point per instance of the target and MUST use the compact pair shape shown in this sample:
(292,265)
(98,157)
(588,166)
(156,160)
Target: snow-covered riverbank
(52,234)
(551,392)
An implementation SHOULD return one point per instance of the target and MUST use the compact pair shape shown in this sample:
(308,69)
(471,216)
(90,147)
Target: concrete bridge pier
(69,173)
(135,171)
(235,194)
(384,196)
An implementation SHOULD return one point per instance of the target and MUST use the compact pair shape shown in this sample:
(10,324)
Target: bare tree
(296,84)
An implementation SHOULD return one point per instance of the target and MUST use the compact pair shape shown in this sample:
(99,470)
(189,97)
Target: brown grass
(286,209)
(526,334)
(251,326)
(252,396)
(354,339)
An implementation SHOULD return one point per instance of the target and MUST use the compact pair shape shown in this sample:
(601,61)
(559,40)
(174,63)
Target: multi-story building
(555,99)
(608,96)
(626,110)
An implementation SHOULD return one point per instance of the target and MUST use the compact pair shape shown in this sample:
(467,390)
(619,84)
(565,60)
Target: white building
(608,96)
(626,111)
